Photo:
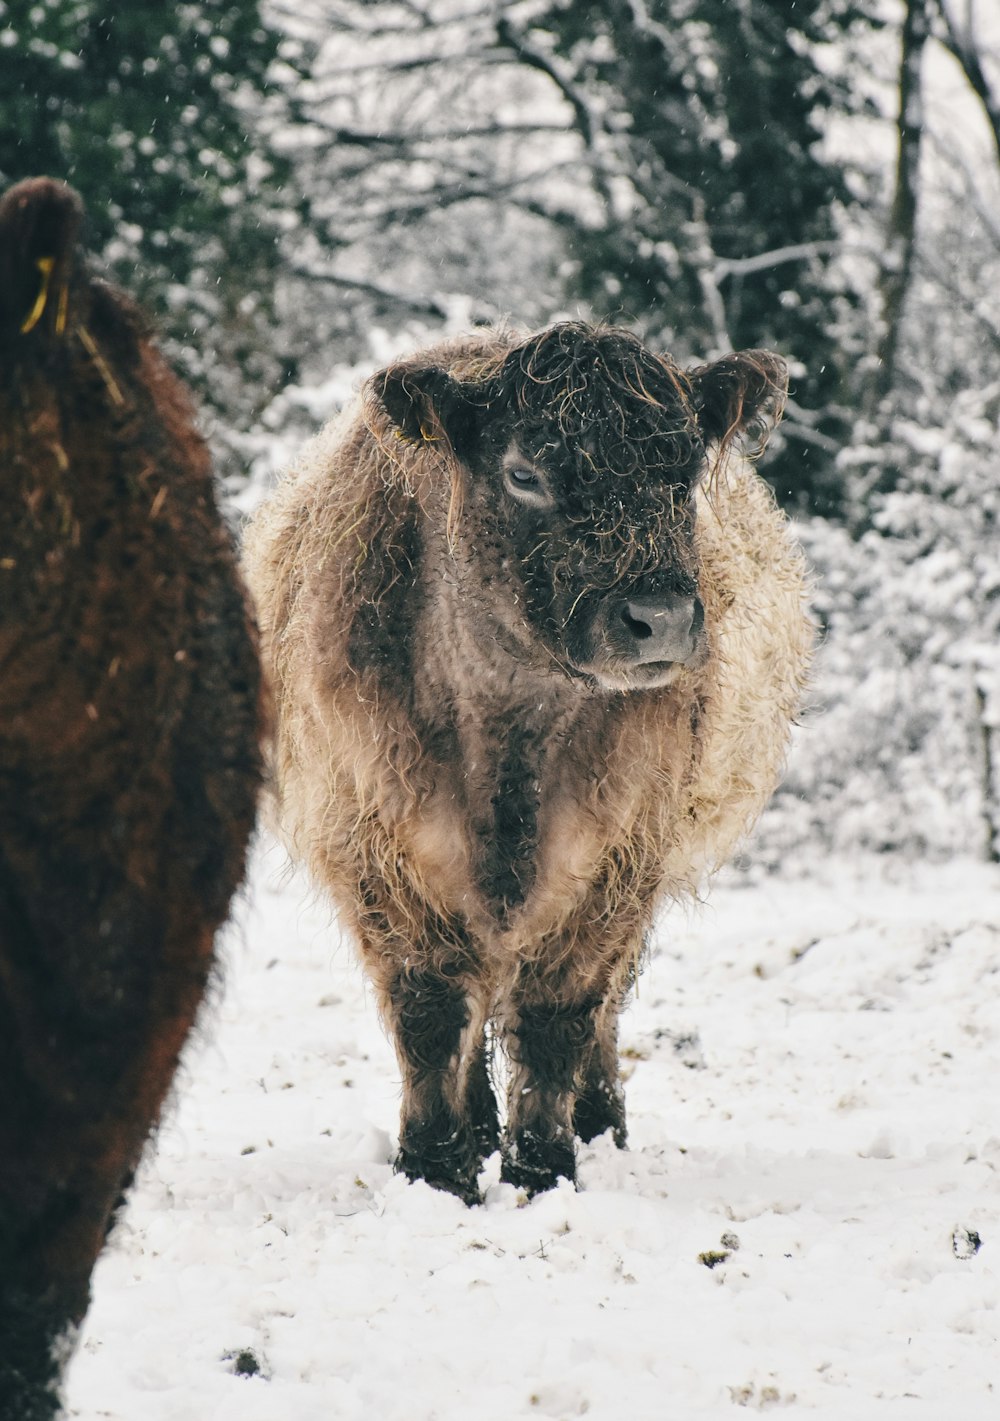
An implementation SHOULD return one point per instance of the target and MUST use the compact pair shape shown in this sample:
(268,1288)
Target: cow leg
(562,1039)
(37,1333)
(49,1246)
(600,1100)
(56,1200)
(481,1101)
(77,1109)
(448,1116)
(549,1041)
(434,1002)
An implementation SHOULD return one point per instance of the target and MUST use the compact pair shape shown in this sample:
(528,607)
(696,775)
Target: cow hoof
(535,1164)
(458,1177)
(598,1111)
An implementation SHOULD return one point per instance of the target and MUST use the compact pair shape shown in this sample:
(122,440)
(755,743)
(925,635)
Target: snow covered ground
(808,1219)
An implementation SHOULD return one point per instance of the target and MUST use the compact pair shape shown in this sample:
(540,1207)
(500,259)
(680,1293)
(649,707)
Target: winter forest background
(300,190)
(807,1215)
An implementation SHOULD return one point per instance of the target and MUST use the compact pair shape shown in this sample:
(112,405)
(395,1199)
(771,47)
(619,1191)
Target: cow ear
(427,405)
(740,396)
(39,224)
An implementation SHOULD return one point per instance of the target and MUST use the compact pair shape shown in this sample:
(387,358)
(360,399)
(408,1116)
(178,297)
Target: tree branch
(584,121)
(441,196)
(405,142)
(420,306)
(966,50)
(764,261)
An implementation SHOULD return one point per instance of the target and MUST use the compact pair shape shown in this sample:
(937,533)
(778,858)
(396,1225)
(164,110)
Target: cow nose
(663,628)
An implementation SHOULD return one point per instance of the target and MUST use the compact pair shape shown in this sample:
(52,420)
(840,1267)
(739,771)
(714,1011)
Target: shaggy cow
(536,645)
(130,716)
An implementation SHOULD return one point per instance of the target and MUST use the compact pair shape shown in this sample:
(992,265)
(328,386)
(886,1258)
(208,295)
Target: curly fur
(130,723)
(423,718)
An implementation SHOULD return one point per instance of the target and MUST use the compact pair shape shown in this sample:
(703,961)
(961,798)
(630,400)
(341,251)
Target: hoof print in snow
(246,1363)
(759,1400)
(686,1047)
(965,1243)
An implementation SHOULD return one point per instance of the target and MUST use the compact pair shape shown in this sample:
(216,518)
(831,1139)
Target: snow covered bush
(898,751)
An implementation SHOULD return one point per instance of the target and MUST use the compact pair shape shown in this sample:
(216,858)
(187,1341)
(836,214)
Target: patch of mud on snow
(807,1221)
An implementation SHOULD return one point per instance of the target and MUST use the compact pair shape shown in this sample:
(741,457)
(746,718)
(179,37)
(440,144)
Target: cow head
(578,453)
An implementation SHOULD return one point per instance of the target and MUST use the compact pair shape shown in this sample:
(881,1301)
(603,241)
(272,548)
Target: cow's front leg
(550,1042)
(433,999)
(562,1039)
(600,1098)
(448,1114)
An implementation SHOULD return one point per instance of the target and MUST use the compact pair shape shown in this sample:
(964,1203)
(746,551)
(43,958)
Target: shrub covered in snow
(899,749)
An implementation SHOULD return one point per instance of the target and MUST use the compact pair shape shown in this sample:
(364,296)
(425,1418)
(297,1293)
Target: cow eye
(526,484)
(524,478)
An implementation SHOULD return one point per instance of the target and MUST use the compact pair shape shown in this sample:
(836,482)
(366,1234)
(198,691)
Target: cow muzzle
(664,628)
(643,641)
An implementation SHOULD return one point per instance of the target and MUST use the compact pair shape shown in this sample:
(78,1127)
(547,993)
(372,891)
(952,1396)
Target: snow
(808,1218)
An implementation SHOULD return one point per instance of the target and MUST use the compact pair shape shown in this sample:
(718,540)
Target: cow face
(579,453)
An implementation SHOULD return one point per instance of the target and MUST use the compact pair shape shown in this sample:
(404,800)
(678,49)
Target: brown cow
(130,717)
(536,642)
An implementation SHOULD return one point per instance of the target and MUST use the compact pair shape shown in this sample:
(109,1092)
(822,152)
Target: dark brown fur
(130,719)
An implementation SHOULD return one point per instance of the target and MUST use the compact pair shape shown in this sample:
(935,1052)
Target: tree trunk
(898,260)
(965,47)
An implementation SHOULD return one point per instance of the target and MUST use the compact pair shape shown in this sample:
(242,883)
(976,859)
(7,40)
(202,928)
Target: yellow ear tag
(62,310)
(45,265)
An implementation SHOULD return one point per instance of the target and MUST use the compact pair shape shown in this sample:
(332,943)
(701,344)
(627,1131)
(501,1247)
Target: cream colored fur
(655,790)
